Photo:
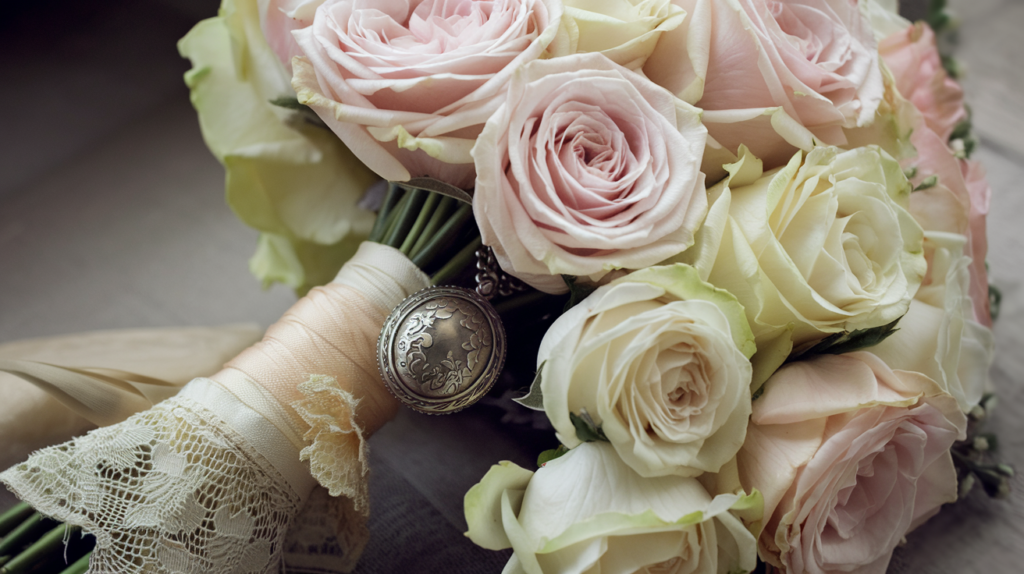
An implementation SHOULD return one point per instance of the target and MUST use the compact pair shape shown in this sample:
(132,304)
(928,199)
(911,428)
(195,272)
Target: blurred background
(112,216)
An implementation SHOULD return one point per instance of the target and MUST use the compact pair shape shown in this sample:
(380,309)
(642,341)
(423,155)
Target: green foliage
(975,458)
(928,183)
(535,398)
(577,292)
(847,341)
(995,301)
(586,429)
(551,454)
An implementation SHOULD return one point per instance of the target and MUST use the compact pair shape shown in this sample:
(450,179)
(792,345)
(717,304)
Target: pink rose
(588,167)
(408,84)
(914,60)
(849,456)
(278,18)
(815,61)
(957,203)
(980,193)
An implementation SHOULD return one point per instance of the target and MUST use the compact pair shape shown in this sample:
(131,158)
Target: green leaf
(438,186)
(535,398)
(586,429)
(847,342)
(551,454)
(995,301)
(305,111)
(928,183)
(290,103)
(577,292)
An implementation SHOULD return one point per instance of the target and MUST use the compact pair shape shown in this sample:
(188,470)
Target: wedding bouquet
(760,217)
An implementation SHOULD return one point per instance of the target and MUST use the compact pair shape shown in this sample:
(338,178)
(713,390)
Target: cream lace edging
(178,489)
(338,459)
(172,489)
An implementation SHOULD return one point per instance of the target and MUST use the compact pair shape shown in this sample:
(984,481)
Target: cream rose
(849,456)
(938,336)
(759,66)
(626,31)
(587,168)
(586,512)
(821,246)
(408,84)
(658,359)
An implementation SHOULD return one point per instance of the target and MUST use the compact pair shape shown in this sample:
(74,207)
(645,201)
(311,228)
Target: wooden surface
(112,215)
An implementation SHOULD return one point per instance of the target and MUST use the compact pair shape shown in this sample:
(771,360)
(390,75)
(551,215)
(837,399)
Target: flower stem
(417,228)
(43,549)
(13,517)
(443,210)
(79,566)
(457,263)
(393,217)
(406,218)
(25,533)
(520,301)
(394,194)
(449,231)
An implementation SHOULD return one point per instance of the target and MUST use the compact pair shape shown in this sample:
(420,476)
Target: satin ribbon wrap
(215,479)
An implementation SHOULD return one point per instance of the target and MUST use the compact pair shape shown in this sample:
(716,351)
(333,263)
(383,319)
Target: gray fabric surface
(112,215)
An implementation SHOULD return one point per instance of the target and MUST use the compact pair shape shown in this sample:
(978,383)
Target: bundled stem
(33,543)
(427,227)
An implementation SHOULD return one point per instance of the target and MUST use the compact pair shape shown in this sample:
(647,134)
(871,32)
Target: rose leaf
(586,429)
(534,399)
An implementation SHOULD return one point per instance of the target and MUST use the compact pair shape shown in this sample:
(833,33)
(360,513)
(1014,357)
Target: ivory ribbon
(331,332)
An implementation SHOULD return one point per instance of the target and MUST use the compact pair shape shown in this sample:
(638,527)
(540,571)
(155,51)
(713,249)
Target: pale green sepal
(483,504)
(684,282)
(535,398)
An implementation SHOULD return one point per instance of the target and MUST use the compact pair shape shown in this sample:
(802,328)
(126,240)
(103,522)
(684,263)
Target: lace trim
(336,451)
(171,489)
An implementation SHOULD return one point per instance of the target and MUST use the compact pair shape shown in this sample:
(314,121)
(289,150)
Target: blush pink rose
(849,456)
(957,203)
(814,60)
(980,193)
(408,84)
(279,18)
(913,59)
(588,167)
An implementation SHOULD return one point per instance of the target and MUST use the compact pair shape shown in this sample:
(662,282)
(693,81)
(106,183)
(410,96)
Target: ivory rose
(626,31)
(587,512)
(587,168)
(408,84)
(938,336)
(759,66)
(849,456)
(658,359)
(822,245)
(913,59)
